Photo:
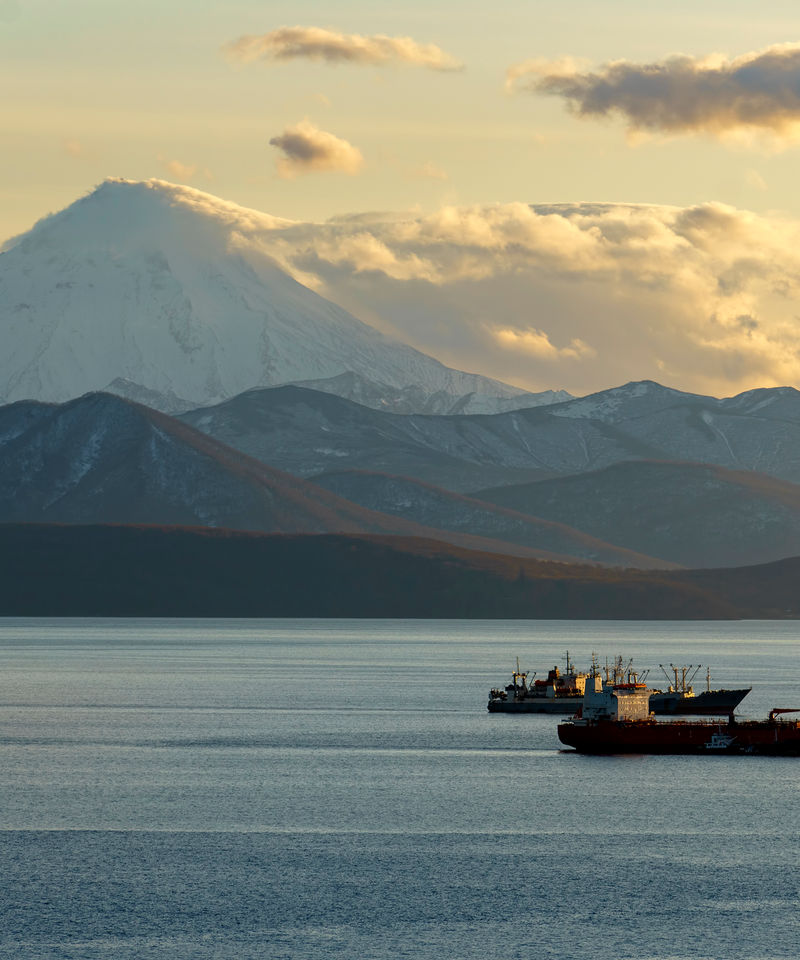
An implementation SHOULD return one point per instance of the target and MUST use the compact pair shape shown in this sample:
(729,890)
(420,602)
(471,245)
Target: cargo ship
(562,693)
(616,718)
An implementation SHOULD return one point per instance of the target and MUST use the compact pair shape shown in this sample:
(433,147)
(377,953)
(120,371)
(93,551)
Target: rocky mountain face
(163,294)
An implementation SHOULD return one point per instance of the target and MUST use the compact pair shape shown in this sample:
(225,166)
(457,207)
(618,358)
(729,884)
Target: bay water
(337,789)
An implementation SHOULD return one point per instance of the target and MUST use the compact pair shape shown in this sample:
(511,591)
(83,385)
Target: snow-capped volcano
(163,293)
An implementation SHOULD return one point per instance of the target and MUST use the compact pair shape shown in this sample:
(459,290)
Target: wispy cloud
(317,43)
(184,172)
(73,148)
(428,171)
(306,149)
(755,93)
(537,344)
(754,179)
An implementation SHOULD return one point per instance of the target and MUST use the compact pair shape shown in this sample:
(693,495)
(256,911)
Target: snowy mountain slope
(162,293)
(306,432)
(412,399)
(756,430)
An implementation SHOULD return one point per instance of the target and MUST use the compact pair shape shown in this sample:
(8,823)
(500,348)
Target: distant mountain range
(688,479)
(163,294)
(102,459)
(307,433)
(159,369)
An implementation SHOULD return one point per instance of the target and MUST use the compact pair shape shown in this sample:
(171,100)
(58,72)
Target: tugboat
(616,718)
(562,693)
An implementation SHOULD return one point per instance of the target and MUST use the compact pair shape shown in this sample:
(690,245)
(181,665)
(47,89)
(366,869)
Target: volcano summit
(165,294)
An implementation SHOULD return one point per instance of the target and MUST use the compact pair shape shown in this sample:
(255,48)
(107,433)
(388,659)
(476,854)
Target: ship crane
(776,710)
(684,683)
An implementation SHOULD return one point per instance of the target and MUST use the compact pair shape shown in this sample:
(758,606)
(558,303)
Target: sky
(681,118)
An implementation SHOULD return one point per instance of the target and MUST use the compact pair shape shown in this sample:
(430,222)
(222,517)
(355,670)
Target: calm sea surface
(325,789)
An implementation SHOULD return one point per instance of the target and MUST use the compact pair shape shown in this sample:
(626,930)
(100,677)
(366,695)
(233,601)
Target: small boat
(616,719)
(720,741)
(562,693)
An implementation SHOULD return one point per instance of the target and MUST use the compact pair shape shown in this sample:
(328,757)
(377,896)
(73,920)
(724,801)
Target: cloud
(184,171)
(757,93)
(754,179)
(73,148)
(316,43)
(306,148)
(428,171)
(538,344)
(580,296)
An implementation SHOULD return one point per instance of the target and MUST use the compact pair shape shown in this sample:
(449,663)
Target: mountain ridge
(103,459)
(307,432)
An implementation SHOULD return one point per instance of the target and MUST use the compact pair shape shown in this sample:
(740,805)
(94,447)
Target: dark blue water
(310,789)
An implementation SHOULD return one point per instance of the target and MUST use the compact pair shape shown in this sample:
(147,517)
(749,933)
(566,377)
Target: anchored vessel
(616,718)
(562,693)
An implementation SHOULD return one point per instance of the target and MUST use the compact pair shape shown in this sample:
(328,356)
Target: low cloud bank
(756,93)
(579,296)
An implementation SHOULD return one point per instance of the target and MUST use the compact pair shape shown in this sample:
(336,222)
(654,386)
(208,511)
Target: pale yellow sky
(98,88)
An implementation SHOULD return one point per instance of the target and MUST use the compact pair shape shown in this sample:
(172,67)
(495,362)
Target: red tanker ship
(616,718)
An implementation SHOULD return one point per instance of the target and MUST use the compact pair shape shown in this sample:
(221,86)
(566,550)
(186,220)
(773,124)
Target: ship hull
(774,738)
(563,706)
(709,703)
